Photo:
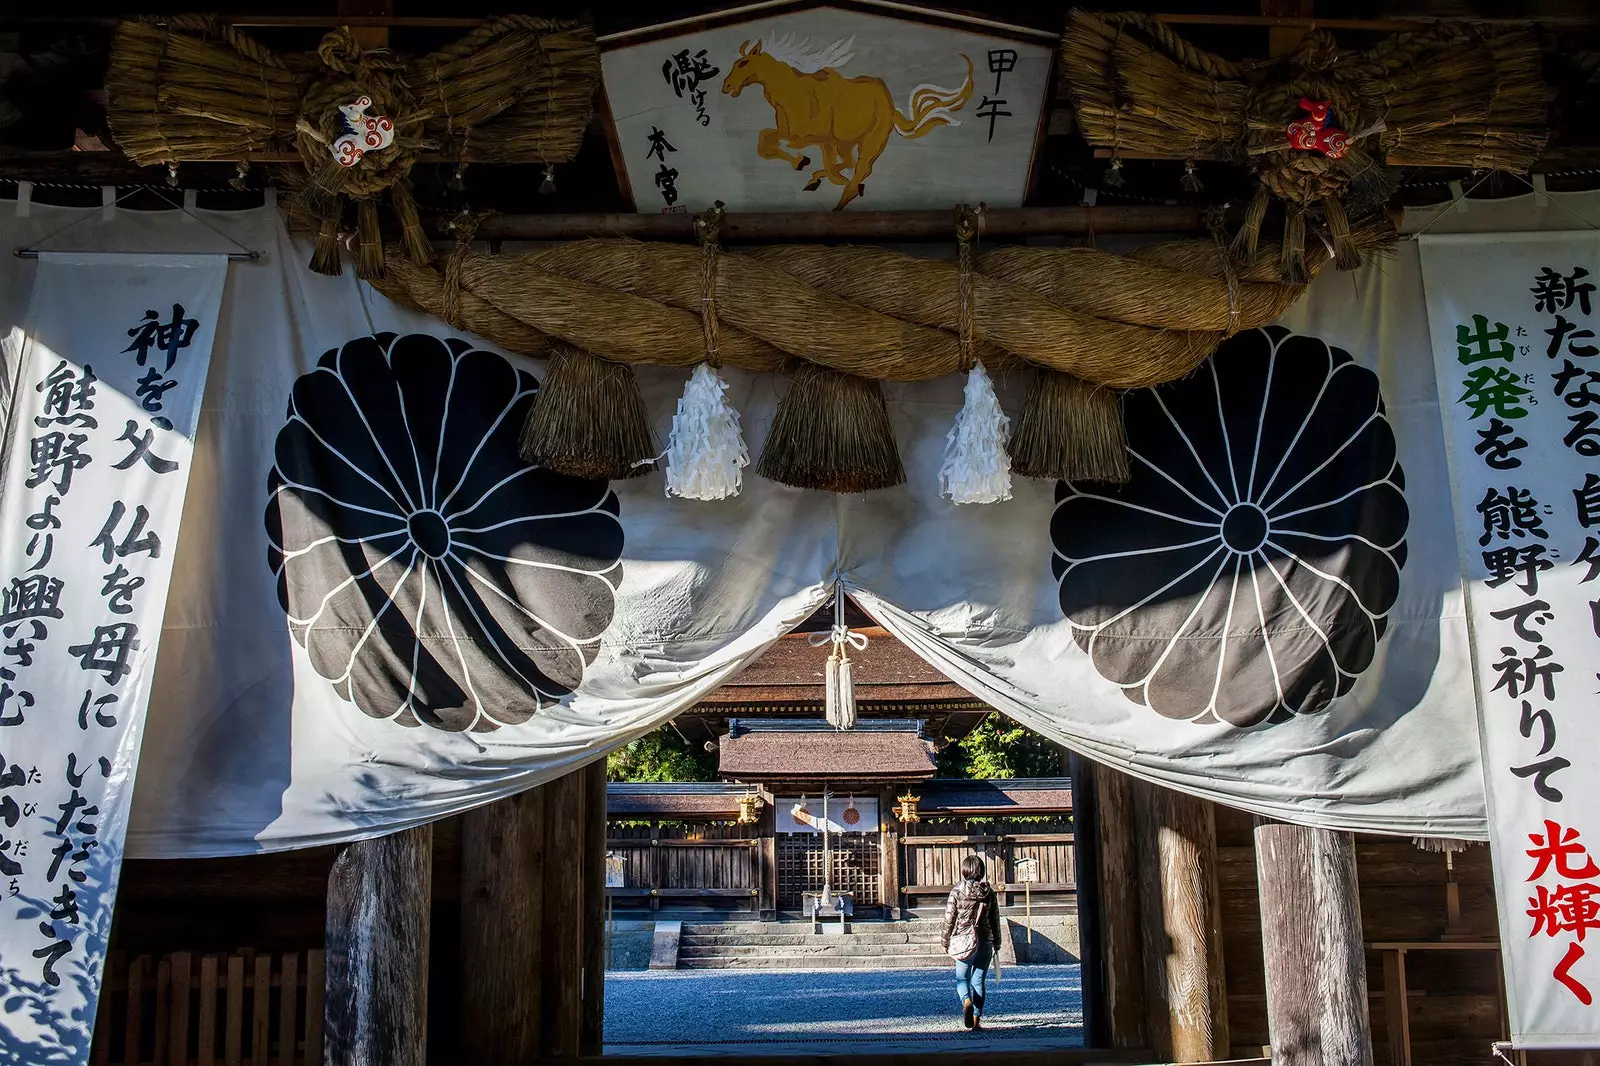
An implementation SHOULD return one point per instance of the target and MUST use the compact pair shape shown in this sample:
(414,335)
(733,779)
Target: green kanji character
(1494,387)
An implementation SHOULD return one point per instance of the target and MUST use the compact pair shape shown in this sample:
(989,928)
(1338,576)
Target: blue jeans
(971,974)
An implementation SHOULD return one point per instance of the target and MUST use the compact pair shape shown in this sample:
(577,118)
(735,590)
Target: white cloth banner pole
(1514,319)
(113,369)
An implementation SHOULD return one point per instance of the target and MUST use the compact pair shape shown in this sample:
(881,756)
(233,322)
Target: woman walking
(971,937)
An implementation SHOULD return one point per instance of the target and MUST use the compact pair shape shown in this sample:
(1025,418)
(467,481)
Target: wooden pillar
(591,1027)
(769,861)
(502,903)
(1186,1007)
(1086,864)
(376,1004)
(561,992)
(889,853)
(1316,969)
(1120,939)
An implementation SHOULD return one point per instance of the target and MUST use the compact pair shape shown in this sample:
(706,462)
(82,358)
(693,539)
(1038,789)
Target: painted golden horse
(848,120)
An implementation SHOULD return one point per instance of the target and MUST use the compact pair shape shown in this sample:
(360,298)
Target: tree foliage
(1000,748)
(661,756)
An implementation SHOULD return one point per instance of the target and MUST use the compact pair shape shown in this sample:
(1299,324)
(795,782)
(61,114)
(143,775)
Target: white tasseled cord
(706,453)
(839,686)
(977,467)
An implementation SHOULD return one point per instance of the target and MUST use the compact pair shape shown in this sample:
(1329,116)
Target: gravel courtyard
(886,1010)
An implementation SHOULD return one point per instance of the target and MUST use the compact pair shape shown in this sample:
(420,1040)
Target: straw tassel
(588,420)
(369,252)
(325,255)
(706,453)
(832,432)
(1249,235)
(1292,262)
(416,242)
(1070,430)
(1190,182)
(976,467)
(1345,255)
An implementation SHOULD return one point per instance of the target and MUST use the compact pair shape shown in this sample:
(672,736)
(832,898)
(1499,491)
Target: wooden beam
(376,1006)
(502,929)
(1316,971)
(1285,36)
(591,1026)
(847,225)
(1186,1003)
(1119,916)
(561,994)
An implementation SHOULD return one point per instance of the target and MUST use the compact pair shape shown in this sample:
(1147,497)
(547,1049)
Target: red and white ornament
(365,133)
(1313,134)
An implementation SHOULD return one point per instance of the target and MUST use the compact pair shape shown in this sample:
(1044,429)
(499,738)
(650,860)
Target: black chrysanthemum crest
(430,574)
(1246,572)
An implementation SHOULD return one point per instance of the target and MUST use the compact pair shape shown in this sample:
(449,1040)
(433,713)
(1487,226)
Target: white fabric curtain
(268,732)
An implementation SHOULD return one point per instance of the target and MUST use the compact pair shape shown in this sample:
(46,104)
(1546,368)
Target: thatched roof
(804,750)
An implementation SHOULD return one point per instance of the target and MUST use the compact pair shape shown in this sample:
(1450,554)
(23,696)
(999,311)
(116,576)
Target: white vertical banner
(1515,325)
(96,463)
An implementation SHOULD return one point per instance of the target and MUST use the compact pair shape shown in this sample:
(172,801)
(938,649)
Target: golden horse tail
(932,106)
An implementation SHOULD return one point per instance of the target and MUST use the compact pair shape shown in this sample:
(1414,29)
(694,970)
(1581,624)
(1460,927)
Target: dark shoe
(977,1022)
(968,1018)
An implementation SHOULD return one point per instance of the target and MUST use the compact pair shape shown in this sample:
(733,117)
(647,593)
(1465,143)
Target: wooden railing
(661,867)
(187,1009)
(931,863)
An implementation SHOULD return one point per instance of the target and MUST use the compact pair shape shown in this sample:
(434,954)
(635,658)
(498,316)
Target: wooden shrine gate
(802,863)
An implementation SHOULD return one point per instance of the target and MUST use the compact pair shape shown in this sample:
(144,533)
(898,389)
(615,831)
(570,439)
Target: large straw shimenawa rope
(1100,320)
(190,87)
(1457,95)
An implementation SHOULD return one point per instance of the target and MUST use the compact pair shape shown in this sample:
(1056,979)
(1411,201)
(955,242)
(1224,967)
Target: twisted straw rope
(1120,322)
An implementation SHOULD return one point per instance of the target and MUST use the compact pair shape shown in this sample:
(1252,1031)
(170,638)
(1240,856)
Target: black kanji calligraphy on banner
(430,574)
(1246,571)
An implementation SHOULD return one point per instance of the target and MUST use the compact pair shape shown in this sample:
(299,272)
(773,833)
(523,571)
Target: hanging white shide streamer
(977,468)
(706,454)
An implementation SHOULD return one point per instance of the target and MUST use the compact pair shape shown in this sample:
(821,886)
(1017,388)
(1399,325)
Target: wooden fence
(185,1009)
(706,862)
(931,864)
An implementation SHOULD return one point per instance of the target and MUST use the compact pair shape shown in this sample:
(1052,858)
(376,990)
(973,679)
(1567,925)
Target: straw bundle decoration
(832,432)
(1456,95)
(1110,322)
(1070,430)
(588,420)
(191,88)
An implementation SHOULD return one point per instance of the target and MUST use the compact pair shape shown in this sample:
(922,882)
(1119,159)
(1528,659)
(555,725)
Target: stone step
(754,928)
(814,962)
(781,939)
(842,946)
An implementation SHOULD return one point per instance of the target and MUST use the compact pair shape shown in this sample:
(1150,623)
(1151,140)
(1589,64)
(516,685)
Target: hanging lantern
(750,808)
(906,809)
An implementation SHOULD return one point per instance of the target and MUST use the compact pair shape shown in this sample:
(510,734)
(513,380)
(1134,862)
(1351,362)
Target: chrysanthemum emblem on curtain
(1246,572)
(430,574)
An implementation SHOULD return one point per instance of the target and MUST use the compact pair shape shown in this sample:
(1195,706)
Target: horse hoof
(805,161)
(813,185)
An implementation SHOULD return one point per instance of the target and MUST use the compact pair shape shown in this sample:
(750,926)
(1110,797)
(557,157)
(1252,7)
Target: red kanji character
(1569,909)
(1563,973)
(1559,846)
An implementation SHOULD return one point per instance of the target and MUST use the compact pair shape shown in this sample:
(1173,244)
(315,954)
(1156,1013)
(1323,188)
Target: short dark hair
(972,868)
